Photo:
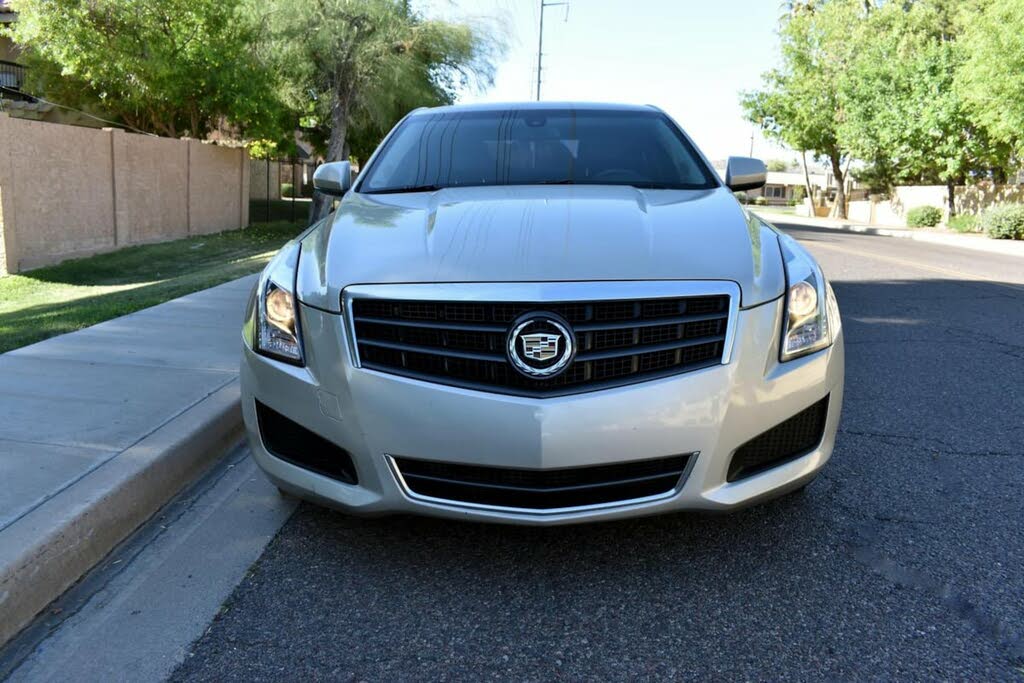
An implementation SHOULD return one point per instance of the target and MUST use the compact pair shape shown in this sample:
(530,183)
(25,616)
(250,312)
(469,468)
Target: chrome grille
(463,343)
(542,490)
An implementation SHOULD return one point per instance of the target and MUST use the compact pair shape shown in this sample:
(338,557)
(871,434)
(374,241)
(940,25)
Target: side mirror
(745,173)
(333,178)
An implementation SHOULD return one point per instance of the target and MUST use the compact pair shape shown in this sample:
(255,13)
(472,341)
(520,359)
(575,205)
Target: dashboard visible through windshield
(436,150)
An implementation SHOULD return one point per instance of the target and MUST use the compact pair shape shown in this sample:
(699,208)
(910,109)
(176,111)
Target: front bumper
(711,412)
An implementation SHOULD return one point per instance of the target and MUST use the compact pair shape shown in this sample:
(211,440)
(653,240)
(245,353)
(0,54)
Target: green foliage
(924,217)
(262,149)
(171,67)
(990,80)
(878,176)
(923,91)
(791,202)
(799,192)
(354,67)
(761,200)
(1005,222)
(800,104)
(742,197)
(287,190)
(777,165)
(964,222)
(902,112)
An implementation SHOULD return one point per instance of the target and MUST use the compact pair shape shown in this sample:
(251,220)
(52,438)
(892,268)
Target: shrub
(791,202)
(742,197)
(798,193)
(964,222)
(924,217)
(1004,222)
(287,189)
(761,201)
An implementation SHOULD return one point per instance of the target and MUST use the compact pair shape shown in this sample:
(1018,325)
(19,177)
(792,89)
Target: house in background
(12,74)
(781,186)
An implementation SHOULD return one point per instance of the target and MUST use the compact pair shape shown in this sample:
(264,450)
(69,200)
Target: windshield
(530,147)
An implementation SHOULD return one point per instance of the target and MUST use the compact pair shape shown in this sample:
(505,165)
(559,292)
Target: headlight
(812,316)
(277,332)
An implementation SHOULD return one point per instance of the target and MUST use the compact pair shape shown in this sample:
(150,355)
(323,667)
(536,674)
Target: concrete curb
(49,549)
(972,242)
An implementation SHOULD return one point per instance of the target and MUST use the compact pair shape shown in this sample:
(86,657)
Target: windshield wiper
(410,188)
(562,181)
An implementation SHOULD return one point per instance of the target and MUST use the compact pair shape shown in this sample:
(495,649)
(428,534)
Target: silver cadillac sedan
(541,313)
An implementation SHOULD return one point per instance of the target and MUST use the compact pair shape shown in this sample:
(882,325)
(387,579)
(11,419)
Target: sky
(690,58)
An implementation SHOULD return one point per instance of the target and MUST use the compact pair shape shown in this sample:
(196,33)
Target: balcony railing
(12,79)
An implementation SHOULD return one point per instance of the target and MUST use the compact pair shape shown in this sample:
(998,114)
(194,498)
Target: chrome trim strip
(546,292)
(531,512)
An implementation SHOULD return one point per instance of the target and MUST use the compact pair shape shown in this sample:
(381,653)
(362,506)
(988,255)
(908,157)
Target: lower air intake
(295,444)
(540,490)
(786,441)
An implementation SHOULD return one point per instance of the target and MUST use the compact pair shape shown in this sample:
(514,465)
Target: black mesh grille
(542,489)
(784,442)
(295,444)
(618,342)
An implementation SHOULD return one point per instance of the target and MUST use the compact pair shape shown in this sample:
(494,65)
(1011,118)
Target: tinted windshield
(528,147)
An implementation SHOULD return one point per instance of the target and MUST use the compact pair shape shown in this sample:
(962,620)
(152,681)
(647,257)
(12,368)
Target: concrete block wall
(67,192)
(969,199)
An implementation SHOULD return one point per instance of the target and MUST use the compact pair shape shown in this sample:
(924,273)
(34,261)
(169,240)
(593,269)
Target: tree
(777,164)
(172,67)
(902,112)
(354,66)
(990,77)
(800,104)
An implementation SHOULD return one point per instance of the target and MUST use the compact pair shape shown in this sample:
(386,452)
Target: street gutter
(45,552)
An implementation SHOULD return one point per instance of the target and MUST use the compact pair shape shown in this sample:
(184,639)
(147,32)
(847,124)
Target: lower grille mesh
(784,442)
(542,489)
(295,444)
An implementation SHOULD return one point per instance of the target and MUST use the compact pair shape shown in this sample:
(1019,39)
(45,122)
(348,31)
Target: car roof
(528,106)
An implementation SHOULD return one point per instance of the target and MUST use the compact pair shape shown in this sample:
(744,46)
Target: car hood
(539,234)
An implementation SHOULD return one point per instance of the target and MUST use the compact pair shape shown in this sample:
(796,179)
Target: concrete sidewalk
(973,241)
(100,427)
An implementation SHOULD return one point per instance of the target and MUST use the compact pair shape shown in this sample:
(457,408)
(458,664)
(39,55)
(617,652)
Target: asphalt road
(904,559)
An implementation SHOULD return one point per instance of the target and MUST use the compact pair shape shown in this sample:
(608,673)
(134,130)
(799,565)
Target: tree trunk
(809,197)
(336,148)
(951,197)
(839,209)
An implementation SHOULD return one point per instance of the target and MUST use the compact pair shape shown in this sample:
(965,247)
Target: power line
(540,39)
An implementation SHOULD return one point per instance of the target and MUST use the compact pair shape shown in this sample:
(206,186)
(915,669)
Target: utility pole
(540,39)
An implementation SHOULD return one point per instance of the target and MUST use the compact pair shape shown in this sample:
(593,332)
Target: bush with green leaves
(287,189)
(924,217)
(741,197)
(964,222)
(791,202)
(761,201)
(1005,222)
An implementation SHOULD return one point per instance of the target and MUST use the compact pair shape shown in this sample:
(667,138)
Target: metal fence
(280,190)
(12,78)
